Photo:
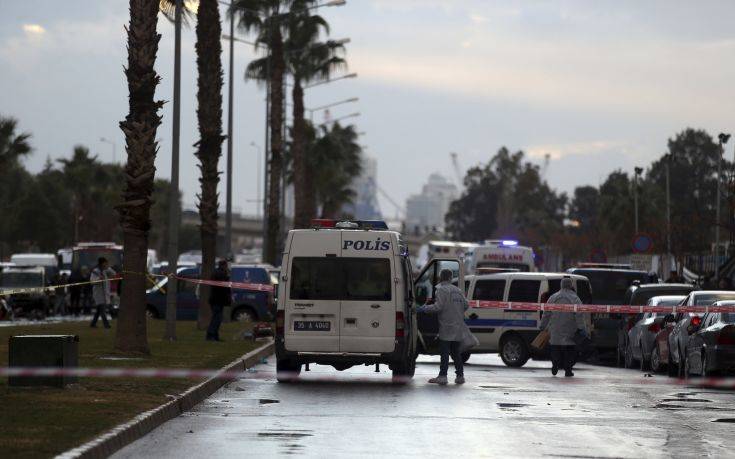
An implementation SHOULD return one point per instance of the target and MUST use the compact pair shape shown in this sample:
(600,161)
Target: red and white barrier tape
(594,308)
(715,383)
(232,285)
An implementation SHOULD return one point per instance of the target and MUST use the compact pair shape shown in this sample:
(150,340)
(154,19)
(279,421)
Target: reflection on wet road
(604,412)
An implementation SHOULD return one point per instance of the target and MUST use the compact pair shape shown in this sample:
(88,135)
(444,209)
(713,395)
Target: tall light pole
(230,97)
(667,164)
(638,171)
(351,115)
(723,138)
(257,191)
(334,104)
(331,80)
(114,148)
(173,197)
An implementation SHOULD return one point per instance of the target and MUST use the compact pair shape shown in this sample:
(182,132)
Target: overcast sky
(599,85)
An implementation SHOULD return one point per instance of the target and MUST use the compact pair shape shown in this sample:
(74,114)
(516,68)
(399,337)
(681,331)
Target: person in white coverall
(450,305)
(562,328)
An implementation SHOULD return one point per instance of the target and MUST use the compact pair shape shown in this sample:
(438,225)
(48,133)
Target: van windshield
(345,279)
(21,280)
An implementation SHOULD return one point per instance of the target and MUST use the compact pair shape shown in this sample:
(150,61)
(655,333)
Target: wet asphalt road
(603,412)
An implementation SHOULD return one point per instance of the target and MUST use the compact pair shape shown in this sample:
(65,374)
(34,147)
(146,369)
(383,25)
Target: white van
(506,332)
(505,254)
(345,298)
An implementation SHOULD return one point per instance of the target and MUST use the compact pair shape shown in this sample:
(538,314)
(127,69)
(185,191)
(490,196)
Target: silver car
(686,323)
(642,336)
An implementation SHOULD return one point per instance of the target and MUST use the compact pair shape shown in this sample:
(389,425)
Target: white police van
(345,298)
(507,332)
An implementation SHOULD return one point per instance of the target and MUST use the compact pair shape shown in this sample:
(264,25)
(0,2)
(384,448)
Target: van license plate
(311,325)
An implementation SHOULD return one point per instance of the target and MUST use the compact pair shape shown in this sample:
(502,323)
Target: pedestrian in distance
(562,328)
(75,292)
(101,275)
(450,305)
(60,294)
(219,297)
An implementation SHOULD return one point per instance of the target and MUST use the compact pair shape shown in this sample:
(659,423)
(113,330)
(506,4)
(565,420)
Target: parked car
(641,343)
(609,286)
(247,305)
(711,348)
(639,294)
(686,322)
(34,303)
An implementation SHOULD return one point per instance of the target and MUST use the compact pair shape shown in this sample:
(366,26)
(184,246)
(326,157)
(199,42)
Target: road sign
(642,243)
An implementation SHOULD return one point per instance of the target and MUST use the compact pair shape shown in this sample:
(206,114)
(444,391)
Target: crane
(399,210)
(457,171)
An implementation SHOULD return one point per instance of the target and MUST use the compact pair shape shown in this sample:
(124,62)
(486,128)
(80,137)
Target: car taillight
(654,327)
(280,322)
(400,325)
(696,321)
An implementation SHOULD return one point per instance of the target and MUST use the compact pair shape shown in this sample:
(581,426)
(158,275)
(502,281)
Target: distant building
(426,211)
(365,204)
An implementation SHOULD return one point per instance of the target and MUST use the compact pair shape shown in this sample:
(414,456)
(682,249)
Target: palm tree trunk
(302,198)
(139,128)
(276,159)
(209,147)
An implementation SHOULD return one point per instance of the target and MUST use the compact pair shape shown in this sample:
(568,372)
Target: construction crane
(457,171)
(399,209)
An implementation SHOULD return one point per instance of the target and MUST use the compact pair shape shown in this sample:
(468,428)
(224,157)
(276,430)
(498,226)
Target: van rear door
(312,303)
(368,306)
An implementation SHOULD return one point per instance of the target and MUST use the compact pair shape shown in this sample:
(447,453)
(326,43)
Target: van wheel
(287,371)
(513,351)
(151,313)
(404,371)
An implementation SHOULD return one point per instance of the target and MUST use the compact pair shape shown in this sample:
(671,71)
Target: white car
(499,331)
(345,298)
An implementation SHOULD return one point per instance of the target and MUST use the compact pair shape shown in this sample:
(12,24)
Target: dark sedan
(711,348)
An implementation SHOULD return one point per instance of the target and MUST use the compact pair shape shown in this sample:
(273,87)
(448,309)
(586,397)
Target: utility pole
(638,171)
(723,138)
(173,199)
(668,204)
(230,96)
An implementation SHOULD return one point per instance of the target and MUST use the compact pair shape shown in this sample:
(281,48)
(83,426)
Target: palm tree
(308,61)
(13,146)
(209,147)
(334,159)
(140,128)
(266,19)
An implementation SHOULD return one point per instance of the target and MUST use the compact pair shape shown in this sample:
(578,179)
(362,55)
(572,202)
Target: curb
(122,435)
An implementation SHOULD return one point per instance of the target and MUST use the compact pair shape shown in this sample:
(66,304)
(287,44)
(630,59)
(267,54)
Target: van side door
(425,292)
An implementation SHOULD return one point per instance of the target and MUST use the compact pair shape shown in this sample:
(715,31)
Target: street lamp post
(723,138)
(257,191)
(638,171)
(351,115)
(667,164)
(230,97)
(173,198)
(334,104)
(114,148)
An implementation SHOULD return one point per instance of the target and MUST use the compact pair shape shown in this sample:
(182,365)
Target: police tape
(516,306)
(50,288)
(213,283)
(724,383)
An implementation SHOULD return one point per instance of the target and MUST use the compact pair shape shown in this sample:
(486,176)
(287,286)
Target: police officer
(562,327)
(219,297)
(450,305)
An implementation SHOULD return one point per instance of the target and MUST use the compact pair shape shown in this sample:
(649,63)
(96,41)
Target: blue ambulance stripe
(501,323)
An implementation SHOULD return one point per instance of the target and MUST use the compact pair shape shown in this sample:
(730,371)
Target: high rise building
(426,211)
(365,204)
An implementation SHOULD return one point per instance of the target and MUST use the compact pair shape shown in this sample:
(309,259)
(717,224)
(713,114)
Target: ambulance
(345,298)
(504,254)
(505,332)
